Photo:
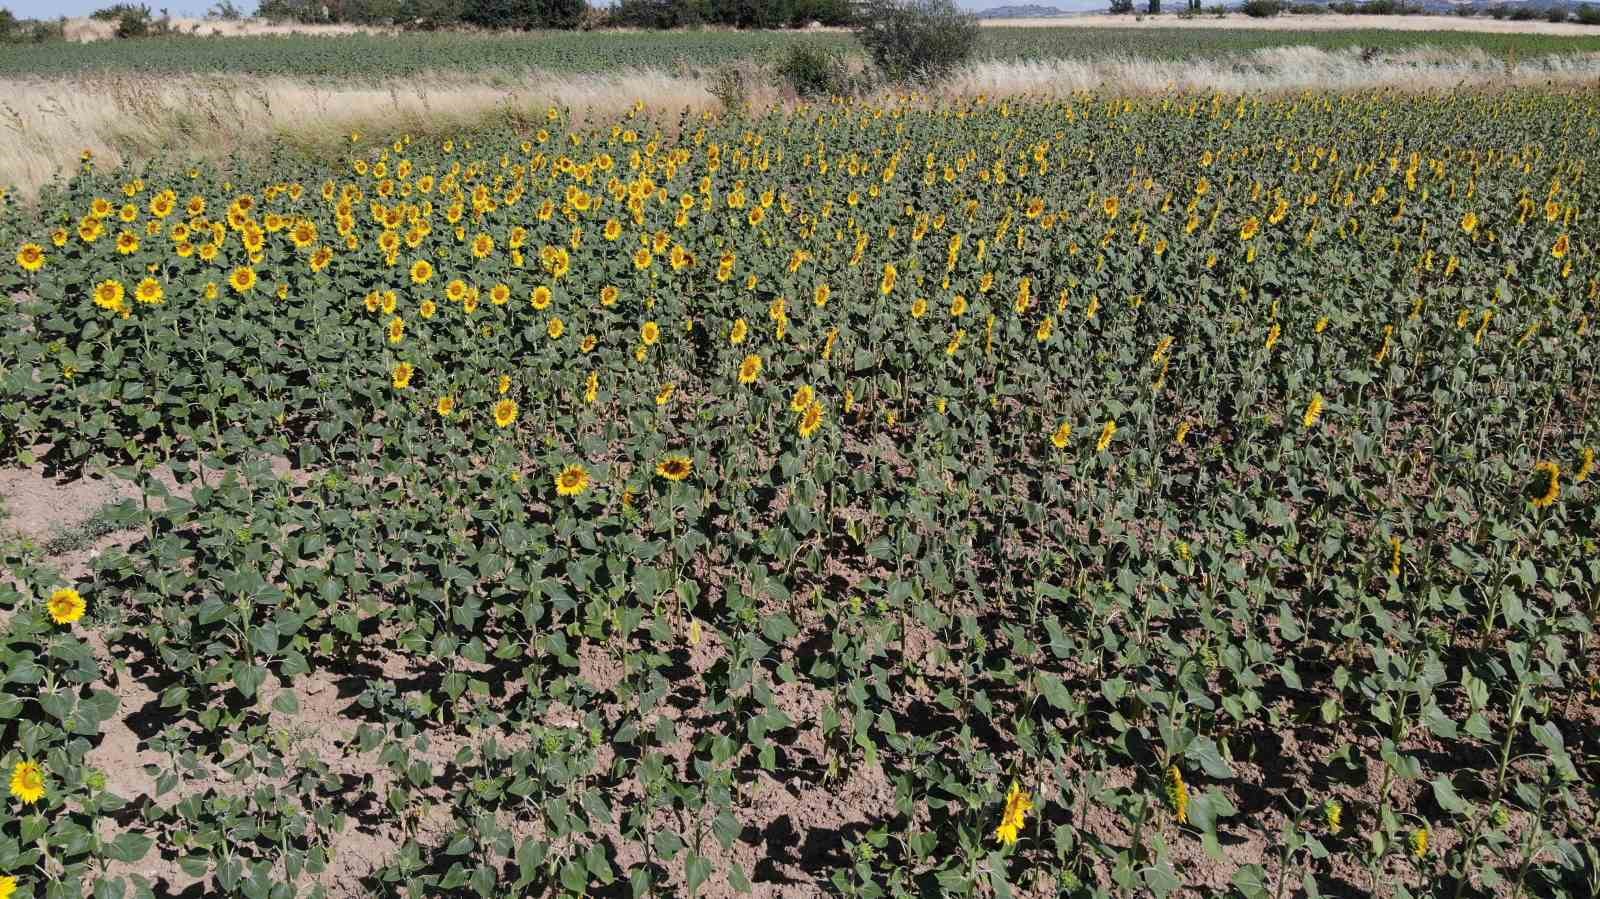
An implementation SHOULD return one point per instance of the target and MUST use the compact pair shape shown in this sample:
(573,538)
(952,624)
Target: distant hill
(1030,11)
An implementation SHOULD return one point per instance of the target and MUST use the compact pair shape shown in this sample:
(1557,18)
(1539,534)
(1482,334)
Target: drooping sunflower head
(1546,486)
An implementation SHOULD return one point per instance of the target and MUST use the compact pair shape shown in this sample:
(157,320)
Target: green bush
(134,22)
(1121,7)
(813,72)
(916,39)
(1262,9)
(1557,14)
(1588,14)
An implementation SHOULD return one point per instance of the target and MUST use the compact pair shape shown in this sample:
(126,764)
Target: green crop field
(390,55)
(1100,496)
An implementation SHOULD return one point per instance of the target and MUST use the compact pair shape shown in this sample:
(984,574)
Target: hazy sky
(36,9)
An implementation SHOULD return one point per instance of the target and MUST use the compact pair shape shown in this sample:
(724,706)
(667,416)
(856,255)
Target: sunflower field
(1090,496)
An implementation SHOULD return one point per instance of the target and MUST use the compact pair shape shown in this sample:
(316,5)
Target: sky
(49,9)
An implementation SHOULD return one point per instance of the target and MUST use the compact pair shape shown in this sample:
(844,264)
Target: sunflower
(1546,484)
(66,605)
(499,294)
(608,295)
(675,467)
(1469,222)
(505,412)
(445,406)
(664,395)
(811,419)
(740,329)
(650,332)
(402,375)
(1560,247)
(1106,433)
(890,275)
(641,259)
(1178,792)
(750,369)
(821,294)
(421,271)
(397,329)
(555,328)
(958,306)
(573,480)
(1313,411)
(1111,205)
(503,385)
(8,887)
(27,782)
(482,246)
(149,291)
(802,398)
(243,279)
(1062,435)
(1018,804)
(1250,228)
(108,294)
(128,243)
(1586,467)
(30,257)
(540,298)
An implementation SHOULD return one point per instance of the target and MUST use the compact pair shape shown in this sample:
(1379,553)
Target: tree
(916,39)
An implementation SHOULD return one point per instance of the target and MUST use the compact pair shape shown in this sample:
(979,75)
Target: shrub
(1217,12)
(1588,14)
(1121,7)
(1523,14)
(1262,9)
(1466,11)
(1556,14)
(225,11)
(813,72)
(916,39)
(134,22)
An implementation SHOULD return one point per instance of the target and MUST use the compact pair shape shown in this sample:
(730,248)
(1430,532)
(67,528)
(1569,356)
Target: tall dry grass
(46,123)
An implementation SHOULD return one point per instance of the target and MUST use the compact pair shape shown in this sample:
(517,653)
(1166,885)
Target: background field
(581,52)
